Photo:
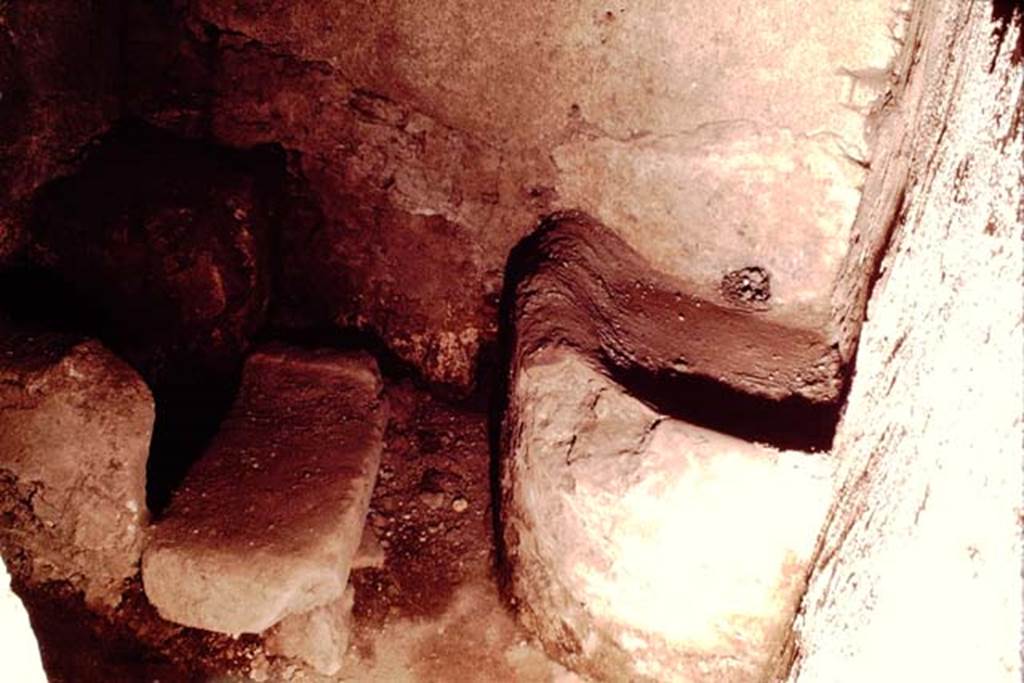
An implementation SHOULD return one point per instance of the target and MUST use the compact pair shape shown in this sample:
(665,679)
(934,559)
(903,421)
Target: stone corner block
(645,548)
(75,429)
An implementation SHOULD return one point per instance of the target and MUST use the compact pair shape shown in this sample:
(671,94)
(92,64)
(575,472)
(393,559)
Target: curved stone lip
(603,297)
(635,406)
(575,283)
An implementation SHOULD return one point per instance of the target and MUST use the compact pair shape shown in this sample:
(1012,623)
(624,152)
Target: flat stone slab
(75,428)
(645,548)
(268,520)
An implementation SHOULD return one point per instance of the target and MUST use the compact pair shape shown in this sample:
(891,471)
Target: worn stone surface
(50,106)
(268,520)
(918,575)
(318,638)
(642,547)
(430,140)
(75,426)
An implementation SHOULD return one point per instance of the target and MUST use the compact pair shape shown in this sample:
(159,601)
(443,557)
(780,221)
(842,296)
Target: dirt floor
(433,613)
(429,611)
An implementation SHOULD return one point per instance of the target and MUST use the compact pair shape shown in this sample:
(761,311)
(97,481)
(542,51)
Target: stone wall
(918,573)
(50,108)
(430,139)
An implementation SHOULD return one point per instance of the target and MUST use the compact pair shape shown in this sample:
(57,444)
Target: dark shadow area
(188,414)
(1007,13)
(519,260)
(131,643)
(158,247)
(34,297)
(790,424)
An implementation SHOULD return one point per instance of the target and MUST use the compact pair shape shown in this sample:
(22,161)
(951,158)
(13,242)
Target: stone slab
(268,520)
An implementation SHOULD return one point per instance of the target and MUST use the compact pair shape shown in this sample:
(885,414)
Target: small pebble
(259,671)
(432,500)
(460,504)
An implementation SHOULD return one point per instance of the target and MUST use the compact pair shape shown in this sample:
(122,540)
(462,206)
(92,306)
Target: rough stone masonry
(710,138)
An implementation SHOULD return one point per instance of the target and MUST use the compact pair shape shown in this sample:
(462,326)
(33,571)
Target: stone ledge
(268,520)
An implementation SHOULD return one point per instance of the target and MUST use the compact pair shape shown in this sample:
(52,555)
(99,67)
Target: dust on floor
(432,612)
